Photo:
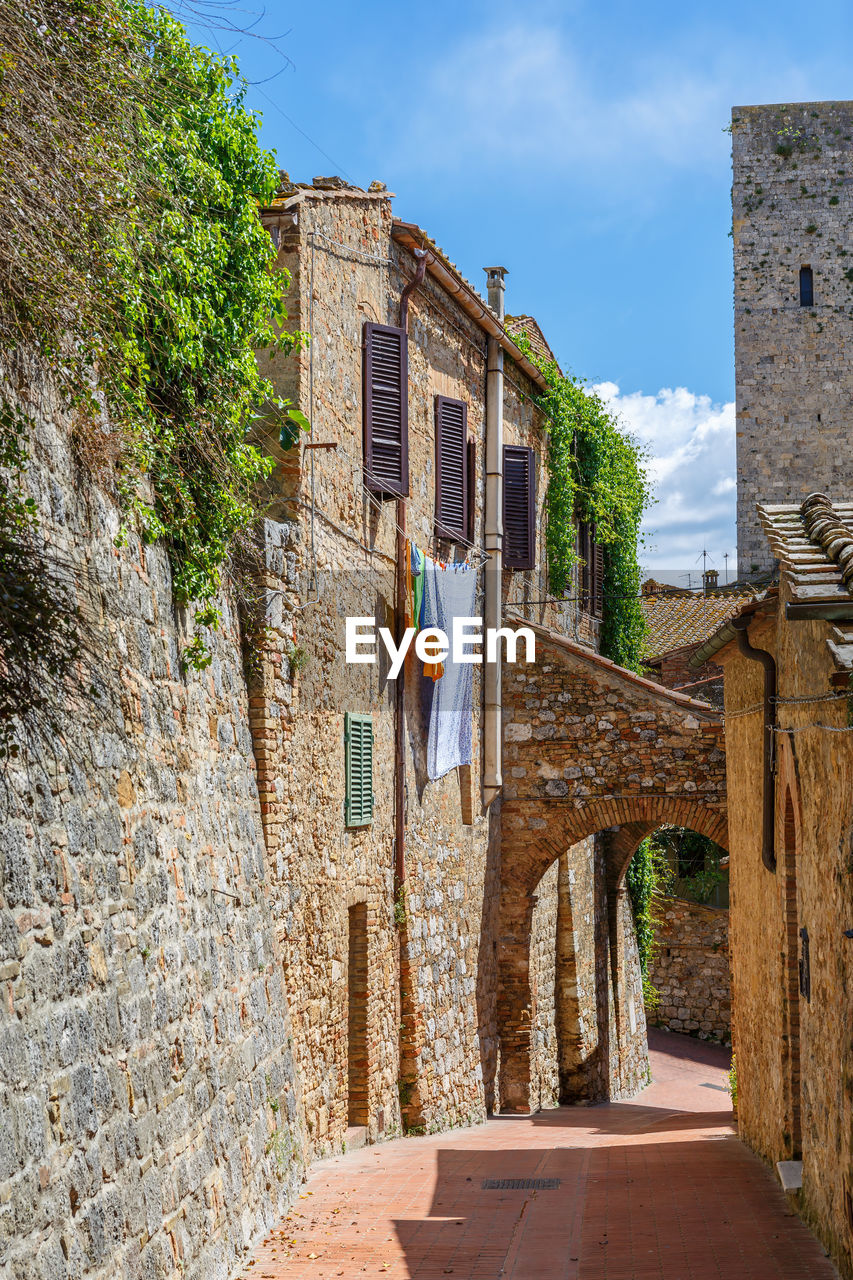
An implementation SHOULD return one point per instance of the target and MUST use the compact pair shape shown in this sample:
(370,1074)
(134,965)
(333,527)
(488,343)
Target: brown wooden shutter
(471,521)
(386,411)
(451,468)
(519,508)
(598,579)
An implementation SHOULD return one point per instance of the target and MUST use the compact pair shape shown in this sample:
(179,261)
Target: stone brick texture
(690,969)
(433,1042)
(794,1055)
(705,682)
(792,207)
(150,1122)
(180,885)
(589,748)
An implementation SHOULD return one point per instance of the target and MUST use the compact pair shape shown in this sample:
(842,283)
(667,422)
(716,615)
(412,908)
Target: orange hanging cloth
(434,670)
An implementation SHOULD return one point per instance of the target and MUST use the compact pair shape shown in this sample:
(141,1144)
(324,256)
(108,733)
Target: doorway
(357,1066)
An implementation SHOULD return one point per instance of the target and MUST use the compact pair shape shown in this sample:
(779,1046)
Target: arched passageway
(591,750)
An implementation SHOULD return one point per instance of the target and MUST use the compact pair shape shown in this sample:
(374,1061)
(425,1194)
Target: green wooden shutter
(358,757)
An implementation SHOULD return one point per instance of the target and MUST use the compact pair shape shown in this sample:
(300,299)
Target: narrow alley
(657,1188)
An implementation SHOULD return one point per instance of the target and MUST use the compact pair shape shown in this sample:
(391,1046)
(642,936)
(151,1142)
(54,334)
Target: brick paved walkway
(654,1189)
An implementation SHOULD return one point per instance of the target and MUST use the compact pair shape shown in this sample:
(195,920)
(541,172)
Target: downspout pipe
(492,688)
(421,256)
(768,836)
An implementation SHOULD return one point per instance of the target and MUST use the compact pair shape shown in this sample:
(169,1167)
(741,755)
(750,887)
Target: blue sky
(582,146)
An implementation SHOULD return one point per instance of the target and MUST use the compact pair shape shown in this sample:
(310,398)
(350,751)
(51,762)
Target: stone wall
(150,1119)
(588,748)
(793,207)
(690,969)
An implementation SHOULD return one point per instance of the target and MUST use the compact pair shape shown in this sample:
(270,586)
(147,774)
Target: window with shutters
(451,469)
(591,553)
(471,515)
(386,411)
(358,761)
(519,507)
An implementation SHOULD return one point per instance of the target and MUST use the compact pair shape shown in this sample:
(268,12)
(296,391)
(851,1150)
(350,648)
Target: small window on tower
(806,287)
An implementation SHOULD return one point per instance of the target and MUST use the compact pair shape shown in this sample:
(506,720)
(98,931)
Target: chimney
(496,289)
(709,579)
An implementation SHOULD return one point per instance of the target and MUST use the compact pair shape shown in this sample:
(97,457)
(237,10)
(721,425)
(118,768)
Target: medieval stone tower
(793,266)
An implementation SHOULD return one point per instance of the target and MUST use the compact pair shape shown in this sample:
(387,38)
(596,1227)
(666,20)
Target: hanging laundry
(449,592)
(414,586)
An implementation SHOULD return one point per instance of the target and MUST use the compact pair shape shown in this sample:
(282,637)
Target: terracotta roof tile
(677,620)
(526,325)
(813,541)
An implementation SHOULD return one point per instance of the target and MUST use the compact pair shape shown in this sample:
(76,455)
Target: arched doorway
(598,1032)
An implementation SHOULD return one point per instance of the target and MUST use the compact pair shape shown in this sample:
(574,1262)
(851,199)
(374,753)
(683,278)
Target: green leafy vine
(595,473)
(148,300)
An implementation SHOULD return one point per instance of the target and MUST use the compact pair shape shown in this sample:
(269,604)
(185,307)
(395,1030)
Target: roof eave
(412,237)
(726,633)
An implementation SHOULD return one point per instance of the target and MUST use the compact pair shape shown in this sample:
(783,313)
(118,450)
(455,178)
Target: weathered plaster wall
(795,1055)
(150,1122)
(756,949)
(793,207)
(690,969)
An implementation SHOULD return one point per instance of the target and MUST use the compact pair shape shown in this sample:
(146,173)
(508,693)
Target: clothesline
(484,556)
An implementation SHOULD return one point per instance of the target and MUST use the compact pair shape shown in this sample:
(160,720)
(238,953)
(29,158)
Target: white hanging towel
(449,593)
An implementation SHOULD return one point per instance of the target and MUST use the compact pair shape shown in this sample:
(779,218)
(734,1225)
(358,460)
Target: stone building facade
(792,222)
(212,974)
(590,748)
(790,767)
(432,1040)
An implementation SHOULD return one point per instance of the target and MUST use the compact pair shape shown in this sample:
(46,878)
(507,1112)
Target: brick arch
(630,820)
(589,747)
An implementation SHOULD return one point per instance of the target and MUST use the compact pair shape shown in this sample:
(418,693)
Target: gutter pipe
(492,690)
(740,626)
(421,255)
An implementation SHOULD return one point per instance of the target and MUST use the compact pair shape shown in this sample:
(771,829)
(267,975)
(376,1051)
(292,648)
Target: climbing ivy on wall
(145,301)
(198,297)
(595,472)
(641,880)
(647,874)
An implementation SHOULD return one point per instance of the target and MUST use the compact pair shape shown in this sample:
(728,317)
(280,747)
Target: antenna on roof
(709,576)
(726,558)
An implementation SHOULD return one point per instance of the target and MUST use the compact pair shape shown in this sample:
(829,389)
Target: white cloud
(531,101)
(691,446)
(523,94)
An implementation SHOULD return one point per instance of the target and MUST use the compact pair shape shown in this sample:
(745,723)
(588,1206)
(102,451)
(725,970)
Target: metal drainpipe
(492,694)
(400,608)
(768,835)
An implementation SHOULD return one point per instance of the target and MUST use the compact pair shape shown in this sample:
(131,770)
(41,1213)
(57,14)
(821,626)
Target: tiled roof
(594,659)
(678,620)
(814,544)
(527,326)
